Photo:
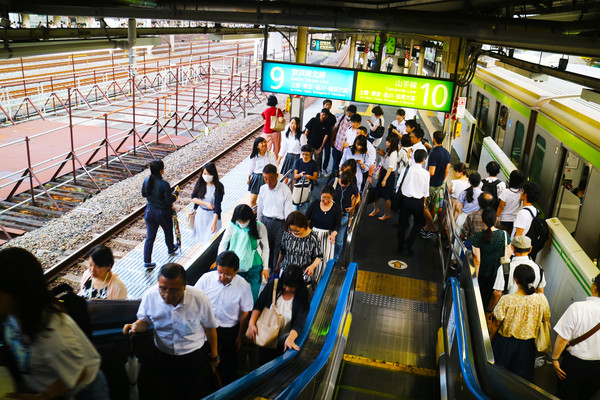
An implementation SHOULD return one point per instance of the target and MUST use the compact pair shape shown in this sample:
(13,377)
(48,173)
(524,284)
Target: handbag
(301,192)
(277,121)
(191,217)
(378,132)
(543,341)
(269,324)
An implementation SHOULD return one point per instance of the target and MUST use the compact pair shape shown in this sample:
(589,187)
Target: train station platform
(131,269)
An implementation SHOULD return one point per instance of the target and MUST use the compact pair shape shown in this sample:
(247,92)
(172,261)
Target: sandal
(374,213)
(384,217)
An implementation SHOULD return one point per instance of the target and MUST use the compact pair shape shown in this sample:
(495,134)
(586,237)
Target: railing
(227,103)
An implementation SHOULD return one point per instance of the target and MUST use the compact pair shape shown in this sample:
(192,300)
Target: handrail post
(71,135)
(30,170)
(133,107)
(106,137)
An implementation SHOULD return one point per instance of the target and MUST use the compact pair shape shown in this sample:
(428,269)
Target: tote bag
(277,122)
(269,324)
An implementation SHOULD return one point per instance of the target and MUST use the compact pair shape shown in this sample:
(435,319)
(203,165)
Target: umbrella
(132,367)
(177,230)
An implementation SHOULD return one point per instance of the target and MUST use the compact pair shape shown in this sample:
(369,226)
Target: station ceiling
(562,26)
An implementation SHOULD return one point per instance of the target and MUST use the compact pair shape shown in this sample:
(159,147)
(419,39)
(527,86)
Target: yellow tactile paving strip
(393,366)
(396,286)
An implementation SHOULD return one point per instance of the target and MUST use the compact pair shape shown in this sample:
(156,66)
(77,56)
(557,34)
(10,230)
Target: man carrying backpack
(505,281)
(492,184)
(528,221)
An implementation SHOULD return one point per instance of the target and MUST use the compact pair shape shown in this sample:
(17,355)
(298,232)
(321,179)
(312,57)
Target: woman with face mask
(247,238)
(207,197)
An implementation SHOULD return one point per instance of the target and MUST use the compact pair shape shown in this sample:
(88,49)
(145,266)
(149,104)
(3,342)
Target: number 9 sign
(278,78)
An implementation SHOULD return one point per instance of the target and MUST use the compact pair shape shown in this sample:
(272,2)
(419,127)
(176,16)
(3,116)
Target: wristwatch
(217,358)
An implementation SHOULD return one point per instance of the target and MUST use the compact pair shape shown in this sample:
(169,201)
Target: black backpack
(538,232)
(492,188)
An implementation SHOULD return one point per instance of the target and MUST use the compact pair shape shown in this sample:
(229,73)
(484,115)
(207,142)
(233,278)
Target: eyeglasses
(164,290)
(228,276)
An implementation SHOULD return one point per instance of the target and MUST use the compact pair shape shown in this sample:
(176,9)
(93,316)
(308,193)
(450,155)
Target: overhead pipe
(43,48)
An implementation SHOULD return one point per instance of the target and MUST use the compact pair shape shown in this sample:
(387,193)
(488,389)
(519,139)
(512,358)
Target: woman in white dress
(207,197)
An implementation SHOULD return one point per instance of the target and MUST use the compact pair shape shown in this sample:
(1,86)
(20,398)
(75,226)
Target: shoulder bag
(269,324)
(277,121)
(584,336)
(543,342)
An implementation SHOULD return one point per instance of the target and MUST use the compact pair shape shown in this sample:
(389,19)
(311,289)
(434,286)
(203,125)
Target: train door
(587,233)
(515,151)
(544,167)
(482,109)
(571,191)
(499,133)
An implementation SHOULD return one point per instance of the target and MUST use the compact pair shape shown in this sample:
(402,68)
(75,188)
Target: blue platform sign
(307,80)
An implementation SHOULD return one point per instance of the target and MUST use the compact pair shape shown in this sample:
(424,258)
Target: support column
(25,19)
(172,43)
(421,58)
(379,55)
(352,52)
(297,103)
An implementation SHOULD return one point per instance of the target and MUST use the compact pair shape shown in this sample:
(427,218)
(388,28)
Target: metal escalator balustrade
(476,353)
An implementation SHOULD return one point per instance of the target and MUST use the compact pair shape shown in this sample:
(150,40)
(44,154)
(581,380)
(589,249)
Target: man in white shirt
(521,246)
(273,206)
(530,194)
(414,189)
(183,322)
(416,139)
(579,369)
(231,300)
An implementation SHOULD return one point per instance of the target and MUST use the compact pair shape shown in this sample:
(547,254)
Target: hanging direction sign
(307,80)
(357,85)
(322,45)
(404,91)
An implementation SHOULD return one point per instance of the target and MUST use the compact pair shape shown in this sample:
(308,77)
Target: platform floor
(390,353)
(131,267)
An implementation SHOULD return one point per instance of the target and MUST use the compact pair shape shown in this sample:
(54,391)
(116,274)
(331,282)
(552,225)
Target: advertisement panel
(307,80)
(404,91)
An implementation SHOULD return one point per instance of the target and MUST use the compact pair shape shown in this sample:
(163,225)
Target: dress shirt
(579,318)
(343,124)
(514,263)
(227,300)
(258,163)
(179,329)
(523,220)
(274,203)
(350,136)
(414,148)
(289,145)
(389,162)
(399,126)
(416,184)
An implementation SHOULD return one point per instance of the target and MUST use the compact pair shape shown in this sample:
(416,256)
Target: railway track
(127,233)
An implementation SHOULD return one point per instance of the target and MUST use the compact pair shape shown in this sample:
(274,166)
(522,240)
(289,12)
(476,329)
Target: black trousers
(409,206)
(180,377)
(229,362)
(275,229)
(583,378)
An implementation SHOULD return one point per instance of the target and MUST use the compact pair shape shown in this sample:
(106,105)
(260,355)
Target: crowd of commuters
(284,251)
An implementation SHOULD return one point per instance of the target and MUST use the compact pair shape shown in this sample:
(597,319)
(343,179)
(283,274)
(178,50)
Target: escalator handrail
(234,388)
(461,337)
(294,389)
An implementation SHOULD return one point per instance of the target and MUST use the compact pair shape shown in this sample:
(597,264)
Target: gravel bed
(64,235)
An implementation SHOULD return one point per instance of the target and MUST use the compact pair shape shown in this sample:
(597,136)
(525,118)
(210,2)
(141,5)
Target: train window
(500,128)
(538,159)
(482,107)
(517,144)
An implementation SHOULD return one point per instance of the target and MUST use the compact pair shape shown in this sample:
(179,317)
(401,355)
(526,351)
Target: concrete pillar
(352,52)
(379,55)
(297,103)
(171,43)
(302,40)
(421,58)
(25,19)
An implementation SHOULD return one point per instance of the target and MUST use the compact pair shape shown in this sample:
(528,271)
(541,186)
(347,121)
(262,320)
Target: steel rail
(54,271)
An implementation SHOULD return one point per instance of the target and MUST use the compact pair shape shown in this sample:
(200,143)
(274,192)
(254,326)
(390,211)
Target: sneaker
(174,251)
(427,234)
(149,266)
